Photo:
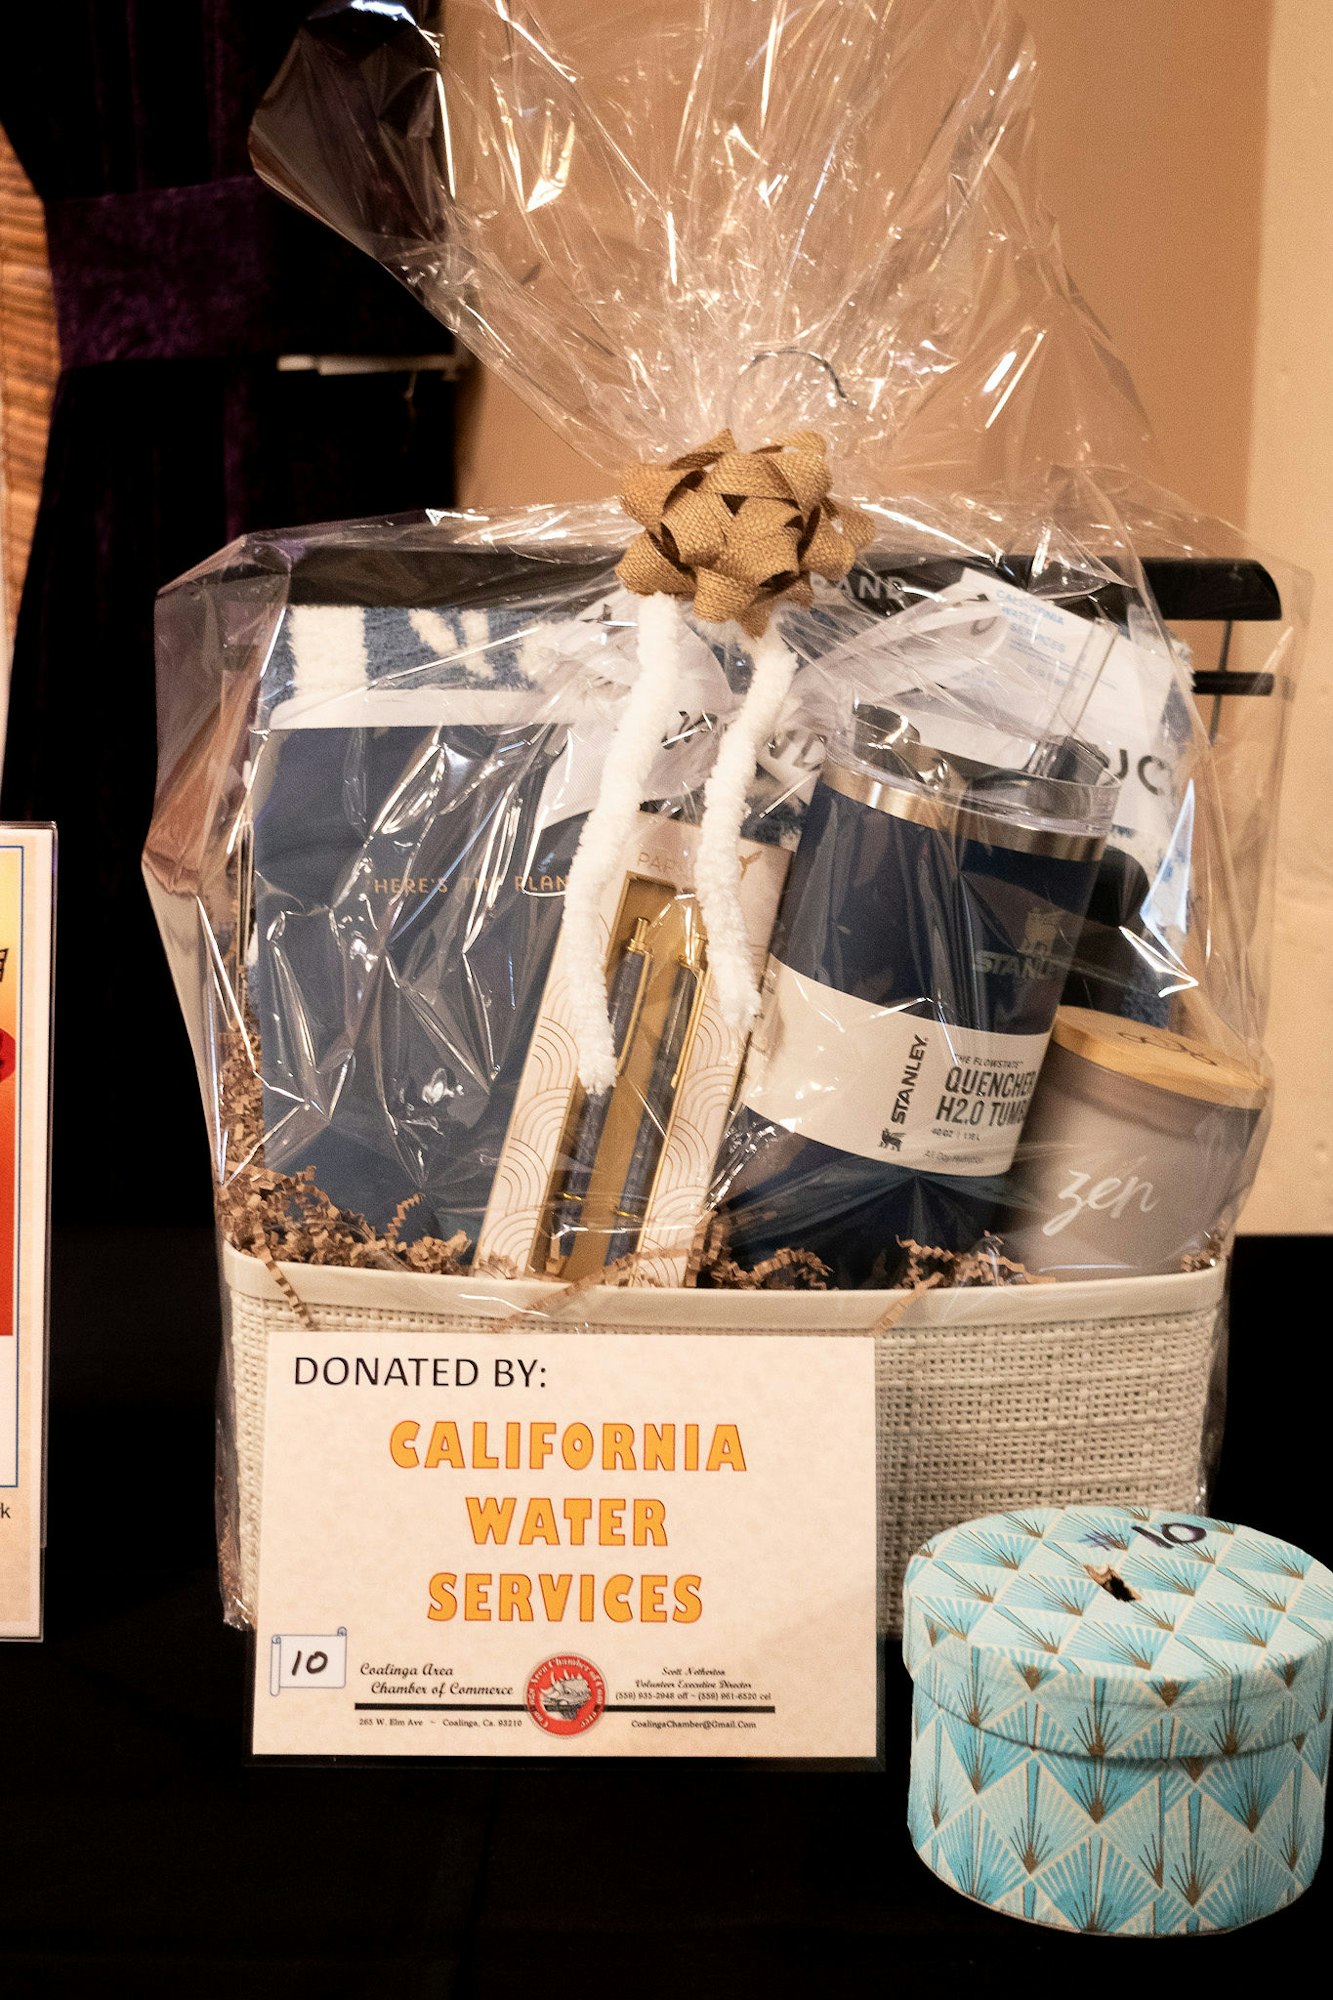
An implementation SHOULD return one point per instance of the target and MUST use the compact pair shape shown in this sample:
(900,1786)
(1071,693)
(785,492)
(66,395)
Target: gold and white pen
(673,1049)
(623,1003)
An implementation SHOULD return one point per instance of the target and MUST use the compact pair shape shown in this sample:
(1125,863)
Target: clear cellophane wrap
(382,742)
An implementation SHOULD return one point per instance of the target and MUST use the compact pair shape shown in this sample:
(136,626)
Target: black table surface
(142,1852)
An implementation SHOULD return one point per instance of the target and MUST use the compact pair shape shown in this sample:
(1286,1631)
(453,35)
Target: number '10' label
(1173,1534)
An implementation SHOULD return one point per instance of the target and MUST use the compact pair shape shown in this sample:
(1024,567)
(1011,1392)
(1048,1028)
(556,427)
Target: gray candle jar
(1134,1150)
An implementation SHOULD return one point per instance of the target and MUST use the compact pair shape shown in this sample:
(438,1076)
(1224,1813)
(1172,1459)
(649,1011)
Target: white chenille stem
(718,875)
(328,643)
(650,708)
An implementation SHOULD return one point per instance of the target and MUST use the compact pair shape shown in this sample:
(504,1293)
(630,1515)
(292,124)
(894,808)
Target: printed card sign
(565,1544)
(27,860)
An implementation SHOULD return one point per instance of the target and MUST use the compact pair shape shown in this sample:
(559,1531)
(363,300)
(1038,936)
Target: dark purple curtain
(179,281)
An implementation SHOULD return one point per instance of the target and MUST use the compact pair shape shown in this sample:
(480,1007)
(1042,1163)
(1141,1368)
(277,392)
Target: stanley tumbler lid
(886,766)
(1160,1058)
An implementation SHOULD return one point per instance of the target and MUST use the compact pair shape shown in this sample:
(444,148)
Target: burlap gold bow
(735,530)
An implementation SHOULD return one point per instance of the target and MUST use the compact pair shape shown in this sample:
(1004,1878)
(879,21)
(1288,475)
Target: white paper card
(27,887)
(573,1544)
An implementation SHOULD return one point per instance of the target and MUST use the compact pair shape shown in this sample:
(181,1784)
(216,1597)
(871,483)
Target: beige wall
(1187,148)
(1290,508)
(1151,117)
(1154,167)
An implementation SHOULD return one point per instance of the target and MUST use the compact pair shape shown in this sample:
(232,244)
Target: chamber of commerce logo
(566,1694)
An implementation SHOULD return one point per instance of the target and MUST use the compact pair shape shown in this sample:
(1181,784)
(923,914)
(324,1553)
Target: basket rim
(626,1307)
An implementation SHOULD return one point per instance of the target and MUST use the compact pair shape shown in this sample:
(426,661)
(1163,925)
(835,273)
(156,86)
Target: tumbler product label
(568,1545)
(893,1086)
(27,860)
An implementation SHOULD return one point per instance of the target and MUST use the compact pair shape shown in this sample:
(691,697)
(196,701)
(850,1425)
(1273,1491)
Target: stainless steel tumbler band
(882,794)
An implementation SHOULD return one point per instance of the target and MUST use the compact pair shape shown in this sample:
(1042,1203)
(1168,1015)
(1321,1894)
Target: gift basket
(824,889)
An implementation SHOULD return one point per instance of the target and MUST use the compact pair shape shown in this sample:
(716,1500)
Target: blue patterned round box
(1120,1717)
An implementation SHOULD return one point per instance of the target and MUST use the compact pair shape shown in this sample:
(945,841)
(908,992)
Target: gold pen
(669,1062)
(625,1003)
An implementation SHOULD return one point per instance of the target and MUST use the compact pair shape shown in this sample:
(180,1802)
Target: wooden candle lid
(1159,1057)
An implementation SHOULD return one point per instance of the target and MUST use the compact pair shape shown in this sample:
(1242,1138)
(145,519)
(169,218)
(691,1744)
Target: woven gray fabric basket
(1051,1395)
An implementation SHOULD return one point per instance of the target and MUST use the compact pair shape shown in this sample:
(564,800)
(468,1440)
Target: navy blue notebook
(422,769)
(407,900)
